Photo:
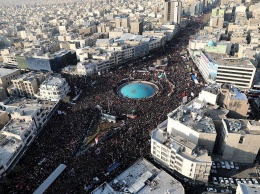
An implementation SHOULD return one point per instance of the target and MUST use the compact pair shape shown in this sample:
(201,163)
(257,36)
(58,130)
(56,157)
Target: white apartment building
(27,118)
(53,89)
(183,142)
(221,69)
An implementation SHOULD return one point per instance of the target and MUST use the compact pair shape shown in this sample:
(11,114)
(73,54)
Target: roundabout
(138,89)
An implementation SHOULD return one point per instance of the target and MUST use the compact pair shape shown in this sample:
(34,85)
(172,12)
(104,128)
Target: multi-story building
(184,141)
(47,61)
(239,140)
(92,66)
(222,69)
(26,84)
(136,27)
(53,89)
(27,119)
(233,100)
(172,11)
(122,21)
(141,178)
(6,75)
(4,118)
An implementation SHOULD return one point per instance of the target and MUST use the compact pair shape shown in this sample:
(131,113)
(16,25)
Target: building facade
(172,11)
(6,75)
(221,69)
(239,141)
(53,89)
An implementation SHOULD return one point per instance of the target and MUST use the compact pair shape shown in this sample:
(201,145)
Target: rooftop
(29,76)
(223,60)
(8,145)
(17,127)
(242,126)
(53,81)
(141,178)
(192,115)
(181,145)
(4,71)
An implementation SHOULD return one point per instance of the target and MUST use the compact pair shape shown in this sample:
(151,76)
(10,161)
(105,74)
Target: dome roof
(137,90)
(211,43)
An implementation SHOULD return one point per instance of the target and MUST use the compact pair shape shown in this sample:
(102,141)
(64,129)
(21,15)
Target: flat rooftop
(17,127)
(8,145)
(53,81)
(181,146)
(192,115)
(241,126)
(224,60)
(29,76)
(141,178)
(4,71)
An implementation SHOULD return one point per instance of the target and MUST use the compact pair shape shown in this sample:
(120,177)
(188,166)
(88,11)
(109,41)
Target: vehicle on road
(227,165)
(212,190)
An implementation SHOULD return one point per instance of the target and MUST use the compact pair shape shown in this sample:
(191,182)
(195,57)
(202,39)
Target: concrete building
(27,119)
(3,94)
(53,89)
(47,61)
(184,141)
(239,141)
(6,75)
(247,189)
(172,11)
(4,118)
(235,101)
(222,69)
(141,178)
(136,27)
(92,66)
(26,84)
(122,21)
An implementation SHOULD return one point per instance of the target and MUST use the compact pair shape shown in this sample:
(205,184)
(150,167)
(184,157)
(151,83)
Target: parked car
(221,180)
(231,181)
(243,181)
(255,181)
(215,180)
(249,181)
(212,190)
(226,181)
(223,164)
(232,165)
(236,166)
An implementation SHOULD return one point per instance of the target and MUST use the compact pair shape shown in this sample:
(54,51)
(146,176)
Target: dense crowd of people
(61,137)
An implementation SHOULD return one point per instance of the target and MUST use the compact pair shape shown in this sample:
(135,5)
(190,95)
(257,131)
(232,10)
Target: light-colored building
(247,189)
(53,89)
(239,140)
(172,11)
(185,140)
(26,84)
(122,21)
(141,178)
(27,119)
(234,100)
(223,69)
(136,27)
(6,75)
(4,118)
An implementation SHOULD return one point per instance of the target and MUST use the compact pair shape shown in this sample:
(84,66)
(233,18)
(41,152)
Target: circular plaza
(138,89)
